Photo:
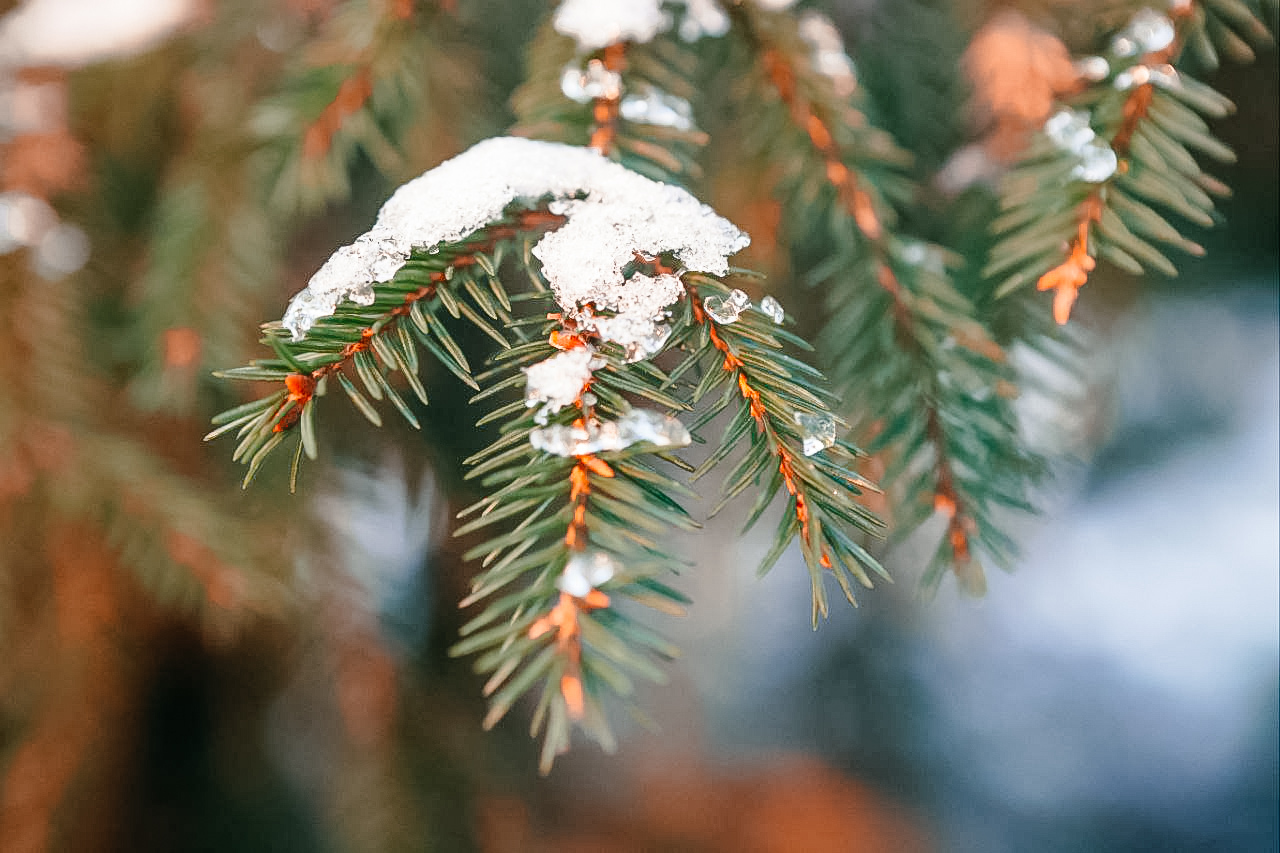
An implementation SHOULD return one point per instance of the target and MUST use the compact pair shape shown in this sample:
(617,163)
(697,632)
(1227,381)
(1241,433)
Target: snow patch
(612,214)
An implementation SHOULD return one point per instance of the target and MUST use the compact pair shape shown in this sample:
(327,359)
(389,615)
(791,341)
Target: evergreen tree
(575,279)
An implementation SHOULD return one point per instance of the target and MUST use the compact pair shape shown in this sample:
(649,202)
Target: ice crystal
(726,309)
(585,571)
(1148,31)
(1070,131)
(1097,162)
(1093,68)
(818,432)
(612,213)
(557,381)
(638,426)
(772,309)
(1164,76)
(650,105)
(586,84)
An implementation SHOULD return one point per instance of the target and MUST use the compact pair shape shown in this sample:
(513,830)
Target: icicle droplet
(726,309)
(638,426)
(1093,68)
(586,84)
(1097,163)
(1147,32)
(589,399)
(772,309)
(1069,130)
(651,105)
(819,432)
(585,571)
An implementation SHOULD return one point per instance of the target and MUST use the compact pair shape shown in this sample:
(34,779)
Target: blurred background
(188,667)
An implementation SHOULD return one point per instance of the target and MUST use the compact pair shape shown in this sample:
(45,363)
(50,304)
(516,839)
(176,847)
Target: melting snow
(612,214)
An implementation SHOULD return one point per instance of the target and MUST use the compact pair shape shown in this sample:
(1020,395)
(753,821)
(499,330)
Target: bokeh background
(1118,692)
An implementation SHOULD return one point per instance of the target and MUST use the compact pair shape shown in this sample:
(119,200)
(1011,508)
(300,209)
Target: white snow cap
(600,23)
(612,213)
(595,24)
(72,33)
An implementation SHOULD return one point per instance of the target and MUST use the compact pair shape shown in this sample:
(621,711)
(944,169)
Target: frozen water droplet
(772,309)
(1148,31)
(24,219)
(63,250)
(1093,68)
(1123,46)
(1069,130)
(654,106)
(1097,163)
(586,84)
(589,399)
(818,432)
(585,571)
(726,309)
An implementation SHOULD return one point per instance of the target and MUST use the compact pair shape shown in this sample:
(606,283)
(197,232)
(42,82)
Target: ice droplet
(726,309)
(63,250)
(1093,68)
(638,426)
(819,432)
(1069,129)
(1097,163)
(585,571)
(1148,31)
(651,105)
(586,84)
(772,309)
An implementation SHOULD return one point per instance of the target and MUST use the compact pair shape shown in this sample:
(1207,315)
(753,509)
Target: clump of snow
(612,214)
(638,426)
(599,23)
(557,381)
(72,33)
(585,571)
(595,24)
(637,322)
(775,5)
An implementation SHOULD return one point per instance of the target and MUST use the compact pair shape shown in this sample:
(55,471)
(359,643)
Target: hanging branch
(375,72)
(1104,167)
(374,340)
(931,385)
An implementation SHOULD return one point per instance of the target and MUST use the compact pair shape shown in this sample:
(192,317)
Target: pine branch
(1106,172)
(374,74)
(591,533)
(931,383)
(631,102)
(373,341)
(787,408)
